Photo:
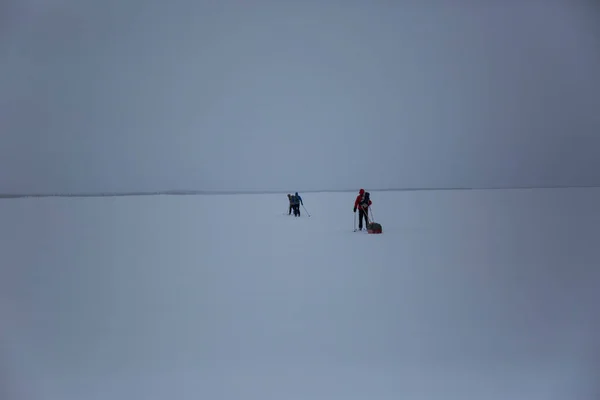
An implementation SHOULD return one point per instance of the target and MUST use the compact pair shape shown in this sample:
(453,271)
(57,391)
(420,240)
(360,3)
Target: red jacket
(358,200)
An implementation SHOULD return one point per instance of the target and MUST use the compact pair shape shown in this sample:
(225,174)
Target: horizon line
(238,192)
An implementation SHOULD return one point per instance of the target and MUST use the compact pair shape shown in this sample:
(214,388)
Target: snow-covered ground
(466,295)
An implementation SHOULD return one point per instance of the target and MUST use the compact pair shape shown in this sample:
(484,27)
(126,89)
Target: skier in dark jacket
(291,204)
(362,202)
(296,201)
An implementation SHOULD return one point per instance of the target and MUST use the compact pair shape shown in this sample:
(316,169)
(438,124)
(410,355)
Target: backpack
(365,201)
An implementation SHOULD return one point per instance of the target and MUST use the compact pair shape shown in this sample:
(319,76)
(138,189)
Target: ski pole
(354,221)
(306,210)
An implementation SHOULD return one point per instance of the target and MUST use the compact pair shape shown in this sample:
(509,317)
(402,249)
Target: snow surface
(466,295)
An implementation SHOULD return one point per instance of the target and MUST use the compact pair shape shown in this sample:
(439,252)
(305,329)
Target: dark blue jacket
(298,199)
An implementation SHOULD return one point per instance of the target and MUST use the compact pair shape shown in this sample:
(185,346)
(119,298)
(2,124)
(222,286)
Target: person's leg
(361,215)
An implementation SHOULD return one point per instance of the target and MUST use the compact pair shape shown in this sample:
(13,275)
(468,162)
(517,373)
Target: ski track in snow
(466,294)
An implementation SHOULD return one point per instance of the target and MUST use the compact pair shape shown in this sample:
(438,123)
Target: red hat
(361,191)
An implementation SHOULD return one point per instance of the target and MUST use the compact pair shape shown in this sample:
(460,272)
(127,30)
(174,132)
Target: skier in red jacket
(362,202)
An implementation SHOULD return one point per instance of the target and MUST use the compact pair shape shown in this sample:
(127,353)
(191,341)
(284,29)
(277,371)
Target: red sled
(374,227)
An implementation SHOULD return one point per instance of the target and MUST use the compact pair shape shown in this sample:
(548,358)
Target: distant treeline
(234,192)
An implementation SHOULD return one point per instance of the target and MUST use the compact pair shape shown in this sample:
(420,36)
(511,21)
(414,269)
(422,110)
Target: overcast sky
(142,95)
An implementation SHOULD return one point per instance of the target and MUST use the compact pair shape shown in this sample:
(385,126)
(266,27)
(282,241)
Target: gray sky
(296,95)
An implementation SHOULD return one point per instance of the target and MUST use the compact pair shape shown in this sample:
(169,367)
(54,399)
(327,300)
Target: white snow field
(466,295)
